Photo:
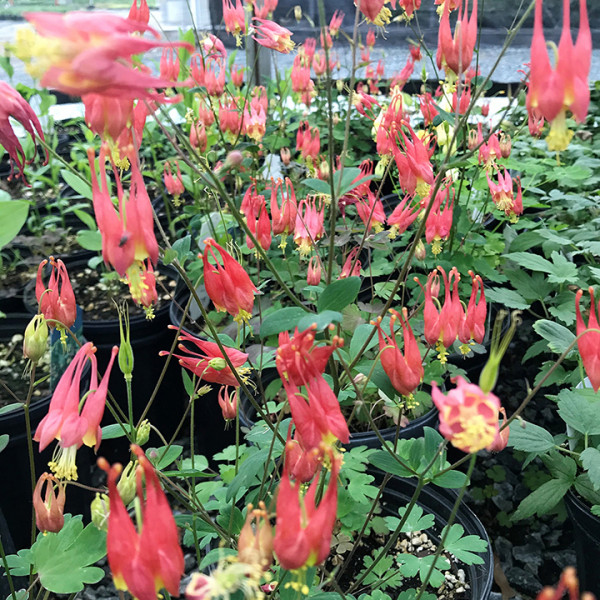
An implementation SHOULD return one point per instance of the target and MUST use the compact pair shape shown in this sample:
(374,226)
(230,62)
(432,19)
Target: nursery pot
(16,496)
(586,529)
(439,502)
(148,338)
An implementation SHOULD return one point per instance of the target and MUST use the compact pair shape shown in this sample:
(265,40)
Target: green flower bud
(218,364)
(100,508)
(126,485)
(125,356)
(35,340)
(142,433)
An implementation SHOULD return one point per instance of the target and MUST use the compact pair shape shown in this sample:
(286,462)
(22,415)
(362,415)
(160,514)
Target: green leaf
(590,459)
(10,407)
(464,546)
(382,460)
(90,240)
(563,270)
(559,338)
(318,185)
(560,466)
(507,298)
(215,555)
(581,410)
(114,431)
(322,320)
(339,294)
(360,489)
(451,479)
(13,214)
(86,218)
(248,473)
(529,437)
(416,521)
(531,261)
(63,560)
(542,500)
(165,455)
(3,441)
(359,337)
(82,187)
(283,319)
(169,256)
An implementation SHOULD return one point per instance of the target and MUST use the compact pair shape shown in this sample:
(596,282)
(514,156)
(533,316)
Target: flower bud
(234,158)
(489,373)
(217,363)
(143,433)
(35,340)
(125,356)
(126,485)
(501,440)
(420,251)
(485,109)
(505,145)
(313,274)
(298,13)
(49,512)
(228,402)
(339,84)
(100,508)
(286,156)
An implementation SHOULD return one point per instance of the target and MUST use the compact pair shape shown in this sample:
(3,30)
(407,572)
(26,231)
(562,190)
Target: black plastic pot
(148,338)
(439,502)
(586,527)
(16,496)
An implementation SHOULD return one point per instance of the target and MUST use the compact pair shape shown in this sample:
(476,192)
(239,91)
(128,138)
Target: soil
(418,543)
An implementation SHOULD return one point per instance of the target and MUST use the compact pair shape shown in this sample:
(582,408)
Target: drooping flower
(371,212)
(336,22)
(66,421)
(403,216)
(234,17)
(209,364)
(468,416)
(78,55)
(140,13)
(318,420)
(57,300)
(49,511)
(169,64)
(504,197)
(13,105)
(351,266)
(228,402)
(309,224)
(375,11)
(439,219)
(273,36)
(410,6)
(298,360)
(142,563)
(303,530)
(227,284)
(404,370)
(127,234)
(414,165)
(173,181)
(554,91)
(455,53)
(473,325)
(313,272)
(284,214)
(302,463)
(255,546)
(589,342)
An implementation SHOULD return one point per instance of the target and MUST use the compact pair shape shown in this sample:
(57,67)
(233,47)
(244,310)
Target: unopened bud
(339,84)
(100,508)
(126,485)
(472,140)
(286,156)
(499,346)
(125,356)
(298,13)
(234,158)
(35,340)
(218,364)
(143,433)
(420,250)
(505,144)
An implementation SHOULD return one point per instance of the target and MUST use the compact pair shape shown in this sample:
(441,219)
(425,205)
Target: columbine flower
(473,325)
(375,11)
(13,105)
(78,55)
(127,235)
(57,300)
(209,364)
(468,416)
(146,562)
(309,224)
(589,342)
(273,36)
(405,371)
(69,424)
(227,284)
(49,511)
(255,545)
(456,53)
(228,402)
(235,19)
(503,195)
(553,91)
(303,530)
(173,181)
